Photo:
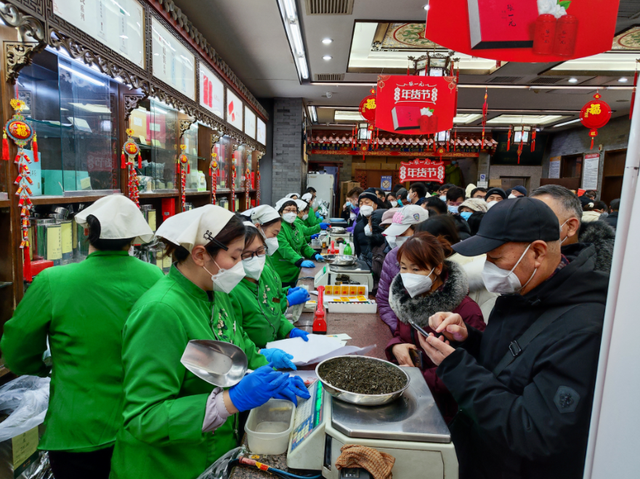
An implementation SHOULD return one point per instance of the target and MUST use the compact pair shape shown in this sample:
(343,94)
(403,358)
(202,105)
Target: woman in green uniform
(175,424)
(259,298)
(293,249)
(314,217)
(304,213)
(82,308)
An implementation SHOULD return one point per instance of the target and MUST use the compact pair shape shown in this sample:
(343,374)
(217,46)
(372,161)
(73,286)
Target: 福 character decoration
(22,133)
(131,153)
(247,185)
(184,168)
(213,173)
(258,179)
(594,115)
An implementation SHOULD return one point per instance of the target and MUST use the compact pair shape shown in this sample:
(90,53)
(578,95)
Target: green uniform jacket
(261,307)
(82,307)
(307,231)
(292,248)
(164,403)
(312,220)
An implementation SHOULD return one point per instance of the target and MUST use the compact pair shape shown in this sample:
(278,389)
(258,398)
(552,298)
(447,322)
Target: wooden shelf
(5,203)
(54,200)
(197,193)
(158,195)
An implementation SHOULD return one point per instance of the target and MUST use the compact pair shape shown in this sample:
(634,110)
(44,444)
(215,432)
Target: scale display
(309,415)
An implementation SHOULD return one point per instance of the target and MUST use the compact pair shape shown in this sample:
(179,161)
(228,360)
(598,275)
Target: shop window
(222,148)
(74,112)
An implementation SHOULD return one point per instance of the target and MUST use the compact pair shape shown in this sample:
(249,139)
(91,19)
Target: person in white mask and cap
(293,252)
(176,424)
(81,308)
(259,300)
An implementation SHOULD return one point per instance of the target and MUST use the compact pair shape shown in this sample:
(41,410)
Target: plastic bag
(25,401)
(218,470)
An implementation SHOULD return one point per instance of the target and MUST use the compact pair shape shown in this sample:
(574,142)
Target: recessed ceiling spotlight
(623,80)
(573,80)
(327,41)
(426,7)
(327,57)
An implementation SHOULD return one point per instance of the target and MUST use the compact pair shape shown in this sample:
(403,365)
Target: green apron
(82,307)
(261,307)
(164,403)
(292,248)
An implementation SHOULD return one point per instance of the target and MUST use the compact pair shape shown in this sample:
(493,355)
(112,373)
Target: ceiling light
(327,57)
(573,80)
(623,80)
(566,123)
(342,115)
(525,119)
(297,39)
(327,41)
(313,113)
(304,69)
(290,10)
(465,119)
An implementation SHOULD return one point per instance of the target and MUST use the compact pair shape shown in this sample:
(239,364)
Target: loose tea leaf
(362,375)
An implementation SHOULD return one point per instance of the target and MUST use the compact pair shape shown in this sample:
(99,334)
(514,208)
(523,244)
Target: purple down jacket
(390,270)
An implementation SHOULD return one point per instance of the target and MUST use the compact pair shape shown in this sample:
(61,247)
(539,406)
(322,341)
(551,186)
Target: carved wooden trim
(131,102)
(185,125)
(28,25)
(17,56)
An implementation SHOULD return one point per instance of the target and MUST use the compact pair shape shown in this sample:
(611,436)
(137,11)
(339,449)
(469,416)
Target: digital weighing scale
(410,428)
(358,273)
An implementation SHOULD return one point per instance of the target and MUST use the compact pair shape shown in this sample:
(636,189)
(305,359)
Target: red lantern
(594,115)
(368,108)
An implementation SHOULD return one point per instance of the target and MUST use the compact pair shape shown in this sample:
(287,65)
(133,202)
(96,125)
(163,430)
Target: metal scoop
(216,362)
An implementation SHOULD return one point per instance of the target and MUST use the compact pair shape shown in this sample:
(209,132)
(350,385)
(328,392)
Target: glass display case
(239,162)
(190,141)
(222,148)
(248,168)
(74,112)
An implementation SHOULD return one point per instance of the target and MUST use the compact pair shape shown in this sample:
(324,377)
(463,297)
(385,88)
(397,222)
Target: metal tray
(340,259)
(216,362)
(362,399)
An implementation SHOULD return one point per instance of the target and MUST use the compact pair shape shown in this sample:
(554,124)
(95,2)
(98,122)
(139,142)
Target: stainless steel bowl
(362,399)
(338,230)
(216,362)
(340,259)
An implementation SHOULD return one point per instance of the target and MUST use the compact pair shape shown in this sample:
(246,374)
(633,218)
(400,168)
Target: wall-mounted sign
(249,122)
(523,31)
(173,63)
(262,132)
(211,91)
(118,25)
(234,110)
(422,170)
(590,171)
(415,105)
(554,166)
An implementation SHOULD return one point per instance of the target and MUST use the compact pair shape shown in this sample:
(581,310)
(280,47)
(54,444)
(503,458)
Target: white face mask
(512,197)
(289,217)
(490,204)
(226,279)
(253,267)
(444,198)
(367,230)
(500,281)
(352,216)
(272,245)
(565,238)
(393,203)
(416,284)
(391,241)
(400,240)
(305,216)
(366,210)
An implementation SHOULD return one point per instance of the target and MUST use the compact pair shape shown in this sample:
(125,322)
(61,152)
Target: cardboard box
(495,183)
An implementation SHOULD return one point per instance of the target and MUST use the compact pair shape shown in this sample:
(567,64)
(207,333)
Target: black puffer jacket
(363,243)
(602,236)
(532,421)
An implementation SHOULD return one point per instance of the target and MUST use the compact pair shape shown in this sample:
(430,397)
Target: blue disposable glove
(298,297)
(299,333)
(315,236)
(278,358)
(319,257)
(307,264)
(324,226)
(293,290)
(318,215)
(257,388)
(295,387)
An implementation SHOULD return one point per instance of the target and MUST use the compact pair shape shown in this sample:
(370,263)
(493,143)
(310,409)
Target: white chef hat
(119,218)
(307,197)
(261,214)
(195,227)
(292,194)
(282,201)
(302,205)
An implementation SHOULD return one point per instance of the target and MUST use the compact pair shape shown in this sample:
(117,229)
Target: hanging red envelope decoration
(594,115)
(415,105)
(422,170)
(525,30)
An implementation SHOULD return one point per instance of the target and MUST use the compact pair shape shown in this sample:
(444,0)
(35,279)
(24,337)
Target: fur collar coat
(447,298)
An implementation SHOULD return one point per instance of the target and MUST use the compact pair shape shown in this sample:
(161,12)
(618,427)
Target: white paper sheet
(317,349)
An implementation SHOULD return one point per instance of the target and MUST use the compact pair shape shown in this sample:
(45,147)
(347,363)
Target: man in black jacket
(367,232)
(525,386)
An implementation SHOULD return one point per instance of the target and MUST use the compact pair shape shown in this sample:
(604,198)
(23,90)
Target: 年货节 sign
(422,170)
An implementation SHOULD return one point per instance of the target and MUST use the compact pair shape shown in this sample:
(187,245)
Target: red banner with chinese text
(415,105)
(422,170)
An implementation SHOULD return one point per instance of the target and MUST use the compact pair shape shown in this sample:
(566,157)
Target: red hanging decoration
(509,137)
(258,180)
(34,144)
(21,133)
(633,93)
(595,114)
(232,206)
(247,184)
(130,150)
(183,166)
(533,139)
(455,139)
(520,144)
(213,173)
(485,109)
